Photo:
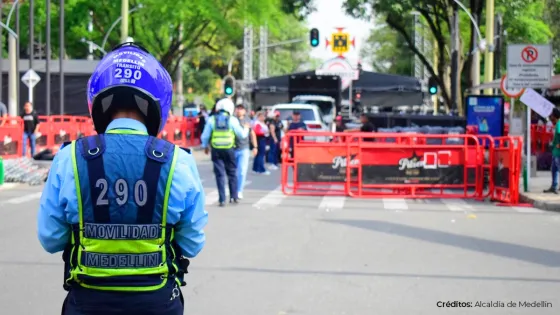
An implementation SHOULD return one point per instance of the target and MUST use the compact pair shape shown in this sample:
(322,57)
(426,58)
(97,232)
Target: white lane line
(394,204)
(457,205)
(271,199)
(527,210)
(332,202)
(24,199)
(212,198)
(7,186)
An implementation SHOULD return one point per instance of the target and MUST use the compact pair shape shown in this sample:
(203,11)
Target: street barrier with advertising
(11,138)
(366,165)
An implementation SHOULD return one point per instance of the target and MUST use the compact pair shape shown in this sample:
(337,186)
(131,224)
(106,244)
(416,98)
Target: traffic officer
(220,131)
(126,207)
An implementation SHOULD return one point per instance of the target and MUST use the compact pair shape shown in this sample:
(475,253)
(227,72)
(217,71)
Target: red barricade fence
(384,165)
(54,130)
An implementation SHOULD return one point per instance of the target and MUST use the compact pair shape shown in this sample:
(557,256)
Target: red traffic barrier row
(53,131)
(541,136)
(367,165)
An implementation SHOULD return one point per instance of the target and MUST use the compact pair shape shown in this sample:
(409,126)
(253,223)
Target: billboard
(487,113)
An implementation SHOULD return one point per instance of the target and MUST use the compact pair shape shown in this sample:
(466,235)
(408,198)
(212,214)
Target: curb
(543,205)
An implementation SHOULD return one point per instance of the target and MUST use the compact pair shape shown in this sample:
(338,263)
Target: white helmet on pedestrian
(226,105)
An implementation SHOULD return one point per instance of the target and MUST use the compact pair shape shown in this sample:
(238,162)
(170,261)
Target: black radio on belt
(184,263)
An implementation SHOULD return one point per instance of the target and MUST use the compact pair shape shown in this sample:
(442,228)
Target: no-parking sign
(529,66)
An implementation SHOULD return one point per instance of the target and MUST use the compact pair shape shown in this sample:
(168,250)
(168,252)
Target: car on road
(310,115)
(326,105)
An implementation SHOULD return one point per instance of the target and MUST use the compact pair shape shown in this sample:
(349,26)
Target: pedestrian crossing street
(275,199)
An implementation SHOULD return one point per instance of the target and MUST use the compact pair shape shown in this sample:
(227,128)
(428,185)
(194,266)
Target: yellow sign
(340,43)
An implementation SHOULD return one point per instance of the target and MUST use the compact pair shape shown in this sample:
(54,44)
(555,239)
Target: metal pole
(455,59)
(489,57)
(61,57)
(31,34)
(499,43)
(179,74)
(48,59)
(90,30)
(1,57)
(350,114)
(124,23)
(17,56)
(475,67)
(13,78)
(528,148)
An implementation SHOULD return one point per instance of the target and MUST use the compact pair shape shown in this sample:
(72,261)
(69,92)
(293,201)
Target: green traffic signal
(433,90)
(314,37)
(314,43)
(229,90)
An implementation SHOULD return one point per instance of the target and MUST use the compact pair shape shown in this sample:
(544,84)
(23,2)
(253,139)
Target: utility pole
(248,54)
(124,22)
(90,30)
(263,53)
(489,57)
(61,57)
(18,43)
(1,57)
(499,47)
(31,34)
(48,59)
(417,66)
(455,61)
(475,65)
(179,73)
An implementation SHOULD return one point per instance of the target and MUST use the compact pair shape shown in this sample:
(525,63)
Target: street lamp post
(12,57)
(93,46)
(121,18)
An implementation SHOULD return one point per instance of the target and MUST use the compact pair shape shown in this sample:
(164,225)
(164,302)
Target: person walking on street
(276,128)
(221,131)
(30,128)
(126,208)
(555,165)
(243,150)
(262,132)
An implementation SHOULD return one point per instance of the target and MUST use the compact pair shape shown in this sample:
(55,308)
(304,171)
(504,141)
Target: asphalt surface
(279,255)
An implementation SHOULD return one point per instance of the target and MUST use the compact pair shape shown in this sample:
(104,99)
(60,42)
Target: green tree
(387,52)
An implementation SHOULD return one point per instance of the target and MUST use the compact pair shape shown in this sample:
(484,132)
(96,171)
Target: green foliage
(387,52)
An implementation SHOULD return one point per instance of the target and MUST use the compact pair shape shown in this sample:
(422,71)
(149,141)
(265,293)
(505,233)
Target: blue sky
(330,15)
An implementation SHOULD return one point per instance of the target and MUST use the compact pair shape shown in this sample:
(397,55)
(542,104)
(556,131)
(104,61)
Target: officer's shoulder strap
(159,150)
(186,150)
(91,146)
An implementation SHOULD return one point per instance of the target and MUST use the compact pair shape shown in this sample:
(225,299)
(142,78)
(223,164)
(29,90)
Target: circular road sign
(514,93)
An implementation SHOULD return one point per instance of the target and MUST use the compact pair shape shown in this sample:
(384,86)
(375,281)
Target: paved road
(281,255)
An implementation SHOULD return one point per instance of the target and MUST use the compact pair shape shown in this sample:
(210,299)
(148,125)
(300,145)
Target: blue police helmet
(129,77)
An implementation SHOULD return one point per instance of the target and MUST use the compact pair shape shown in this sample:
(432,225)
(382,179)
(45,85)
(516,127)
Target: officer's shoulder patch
(186,150)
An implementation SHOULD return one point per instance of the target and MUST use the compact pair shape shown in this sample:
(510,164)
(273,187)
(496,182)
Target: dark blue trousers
(166,301)
(225,164)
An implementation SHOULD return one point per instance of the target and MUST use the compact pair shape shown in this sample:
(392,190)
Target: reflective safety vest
(122,241)
(223,136)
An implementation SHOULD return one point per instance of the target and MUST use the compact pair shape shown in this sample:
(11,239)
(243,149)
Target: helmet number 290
(121,192)
(128,74)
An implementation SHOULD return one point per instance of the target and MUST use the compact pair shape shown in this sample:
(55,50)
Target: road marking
(332,202)
(7,186)
(457,204)
(271,199)
(394,204)
(527,210)
(211,198)
(247,183)
(24,199)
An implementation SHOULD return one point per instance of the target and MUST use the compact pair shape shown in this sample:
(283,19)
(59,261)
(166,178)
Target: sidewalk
(536,197)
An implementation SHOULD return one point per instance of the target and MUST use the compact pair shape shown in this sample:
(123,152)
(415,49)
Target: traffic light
(229,85)
(432,86)
(314,37)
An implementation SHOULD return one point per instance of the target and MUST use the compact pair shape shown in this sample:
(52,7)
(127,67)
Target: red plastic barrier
(507,169)
(365,165)
(190,130)
(11,138)
(172,131)
(45,138)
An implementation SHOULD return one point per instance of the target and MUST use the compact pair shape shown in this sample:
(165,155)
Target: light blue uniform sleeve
(187,198)
(240,132)
(58,196)
(207,133)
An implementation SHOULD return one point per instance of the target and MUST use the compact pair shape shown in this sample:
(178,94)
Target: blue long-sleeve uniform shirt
(59,201)
(239,131)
